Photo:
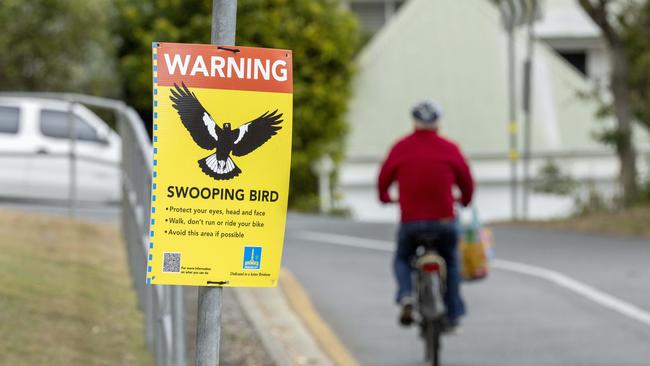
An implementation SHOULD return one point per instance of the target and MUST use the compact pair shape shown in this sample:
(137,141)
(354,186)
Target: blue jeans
(447,233)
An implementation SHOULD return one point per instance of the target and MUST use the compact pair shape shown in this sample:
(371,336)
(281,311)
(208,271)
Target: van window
(9,119)
(55,124)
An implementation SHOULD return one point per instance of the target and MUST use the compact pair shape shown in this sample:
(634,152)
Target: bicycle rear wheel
(429,323)
(431,320)
(432,343)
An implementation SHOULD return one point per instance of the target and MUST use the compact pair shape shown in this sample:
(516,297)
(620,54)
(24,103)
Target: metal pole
(72,134)
(178,326)
(513,125)
(323,169)
(324,192)
(224,22)
(208,333)
(528,106)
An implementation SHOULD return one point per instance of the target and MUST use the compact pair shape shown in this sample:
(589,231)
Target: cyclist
(426,167)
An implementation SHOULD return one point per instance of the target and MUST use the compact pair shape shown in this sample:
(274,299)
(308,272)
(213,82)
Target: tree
(636,37)
(322,35)
(610,23)
(57,45)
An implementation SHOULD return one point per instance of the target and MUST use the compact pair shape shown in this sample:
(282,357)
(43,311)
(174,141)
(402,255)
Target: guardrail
(52,155)
(162,305)
(27,198)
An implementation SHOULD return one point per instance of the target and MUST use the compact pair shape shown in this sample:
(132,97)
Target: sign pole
(513,128)
(224,22)
(208,332)
(510,16)
(208,337)
(528,104)
(197,205)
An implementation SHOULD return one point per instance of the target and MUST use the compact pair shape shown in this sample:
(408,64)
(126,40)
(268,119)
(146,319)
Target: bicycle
(431,273)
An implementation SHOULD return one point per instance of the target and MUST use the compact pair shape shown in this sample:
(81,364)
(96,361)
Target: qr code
(172,262)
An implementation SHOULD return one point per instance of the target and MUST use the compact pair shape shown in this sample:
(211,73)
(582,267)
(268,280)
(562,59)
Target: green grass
(66,295)
(630,222)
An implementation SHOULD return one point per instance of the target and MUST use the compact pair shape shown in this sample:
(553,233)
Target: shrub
(324,39)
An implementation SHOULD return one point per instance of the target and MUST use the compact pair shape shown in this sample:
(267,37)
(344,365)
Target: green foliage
(324,39)
(644,196)
(593,201)
(551,179)
(605,134)
(139,24)
(608,135)
(636,37)
(644,192)
(57,45)
(633,24)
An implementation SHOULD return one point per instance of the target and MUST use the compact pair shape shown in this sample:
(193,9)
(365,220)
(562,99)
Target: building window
(372,15)
(576,58)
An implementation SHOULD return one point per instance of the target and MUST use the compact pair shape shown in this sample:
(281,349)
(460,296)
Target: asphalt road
(586,301)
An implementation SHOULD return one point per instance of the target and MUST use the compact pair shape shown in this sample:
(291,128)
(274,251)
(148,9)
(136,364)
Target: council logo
(252,257)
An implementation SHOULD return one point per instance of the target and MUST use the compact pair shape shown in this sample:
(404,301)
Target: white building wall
(566,27)
(358,180)
(454,51)
(599,66)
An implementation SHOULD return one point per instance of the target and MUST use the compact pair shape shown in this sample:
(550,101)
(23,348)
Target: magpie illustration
(208,135)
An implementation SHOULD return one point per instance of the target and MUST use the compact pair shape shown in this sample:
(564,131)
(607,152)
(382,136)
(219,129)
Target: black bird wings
(195,118)
(255,133)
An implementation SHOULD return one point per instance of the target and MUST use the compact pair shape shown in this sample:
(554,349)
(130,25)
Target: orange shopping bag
(475,249)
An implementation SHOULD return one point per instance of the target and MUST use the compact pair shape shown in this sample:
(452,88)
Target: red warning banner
(224,67)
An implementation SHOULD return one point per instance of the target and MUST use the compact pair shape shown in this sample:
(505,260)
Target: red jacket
(426,167)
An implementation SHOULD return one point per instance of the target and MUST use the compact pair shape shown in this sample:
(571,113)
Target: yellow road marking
(302,305)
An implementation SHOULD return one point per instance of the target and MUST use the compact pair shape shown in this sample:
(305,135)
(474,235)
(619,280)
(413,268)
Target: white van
(35,152)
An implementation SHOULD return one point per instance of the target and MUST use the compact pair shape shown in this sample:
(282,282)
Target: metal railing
(162,306)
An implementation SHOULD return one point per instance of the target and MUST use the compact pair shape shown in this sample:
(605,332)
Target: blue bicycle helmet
(427,111)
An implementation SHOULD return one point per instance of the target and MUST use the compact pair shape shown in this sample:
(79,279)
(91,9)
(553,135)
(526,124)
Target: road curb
(282,333)
(319,329)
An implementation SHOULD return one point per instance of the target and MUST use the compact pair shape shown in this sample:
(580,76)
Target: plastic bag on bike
(476,249)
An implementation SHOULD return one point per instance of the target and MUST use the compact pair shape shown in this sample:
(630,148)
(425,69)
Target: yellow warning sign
(222,153)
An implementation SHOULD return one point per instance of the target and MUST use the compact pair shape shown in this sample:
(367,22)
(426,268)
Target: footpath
(271,326)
